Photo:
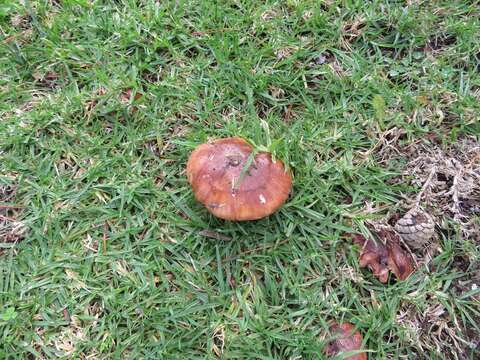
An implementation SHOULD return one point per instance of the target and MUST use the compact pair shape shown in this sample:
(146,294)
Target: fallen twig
(214,235)
(10,206)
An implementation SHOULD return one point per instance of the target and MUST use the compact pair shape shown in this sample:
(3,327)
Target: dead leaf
(66,315)
(126,98)
(345,340)
(384,256)
(126,95)
(48,80)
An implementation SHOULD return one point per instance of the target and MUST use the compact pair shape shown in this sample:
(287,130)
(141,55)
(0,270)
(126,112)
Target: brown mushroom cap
(346,339)
(214,171)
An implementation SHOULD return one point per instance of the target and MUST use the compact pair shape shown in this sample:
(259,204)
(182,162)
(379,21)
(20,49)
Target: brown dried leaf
(345,340)
(385,256)
(48,80)
(66,315)
(374,256)
(126,95)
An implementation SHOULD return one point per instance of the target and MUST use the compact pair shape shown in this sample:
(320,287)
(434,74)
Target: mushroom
(235,182)
(345,340)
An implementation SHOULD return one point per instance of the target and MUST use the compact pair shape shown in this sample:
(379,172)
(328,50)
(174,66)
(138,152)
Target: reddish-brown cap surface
(346,339)
(214,171)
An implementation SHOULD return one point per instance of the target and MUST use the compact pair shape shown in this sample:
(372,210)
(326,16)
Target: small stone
(320,59)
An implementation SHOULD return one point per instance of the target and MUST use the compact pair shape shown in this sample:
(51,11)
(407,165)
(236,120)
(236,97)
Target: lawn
(103,251)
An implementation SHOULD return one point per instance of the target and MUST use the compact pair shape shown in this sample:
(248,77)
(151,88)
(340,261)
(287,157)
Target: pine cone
(416,228)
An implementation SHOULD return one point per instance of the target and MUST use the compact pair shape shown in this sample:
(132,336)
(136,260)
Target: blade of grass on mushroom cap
(246,166)
(270,148)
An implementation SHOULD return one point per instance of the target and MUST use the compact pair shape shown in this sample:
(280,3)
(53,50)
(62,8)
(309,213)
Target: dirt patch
(330,60)
(440,41)
(325,60)
(152,76)
(48,80)
(161,146)
(448,181)
(447,176)
(290,113)
(12,230)
(433,329)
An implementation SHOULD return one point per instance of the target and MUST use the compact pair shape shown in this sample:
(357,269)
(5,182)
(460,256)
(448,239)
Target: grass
(114,264)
